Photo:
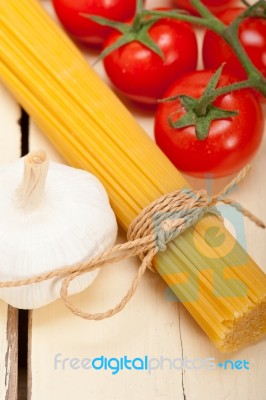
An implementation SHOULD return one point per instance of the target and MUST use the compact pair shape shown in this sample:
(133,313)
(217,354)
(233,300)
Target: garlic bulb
(55,217)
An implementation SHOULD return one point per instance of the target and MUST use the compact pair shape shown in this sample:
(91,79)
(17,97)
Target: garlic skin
(47,222)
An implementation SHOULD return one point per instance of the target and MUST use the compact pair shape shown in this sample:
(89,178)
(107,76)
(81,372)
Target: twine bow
(158,224)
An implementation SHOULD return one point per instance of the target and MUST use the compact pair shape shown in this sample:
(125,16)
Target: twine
(158,224)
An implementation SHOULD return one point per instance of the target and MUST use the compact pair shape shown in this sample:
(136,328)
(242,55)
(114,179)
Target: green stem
(207,99)
(139,6)
(138,15)
(246,3)
(231,37)
(203,10)
(185,17)
(228,33)
(136,23)
(230,88)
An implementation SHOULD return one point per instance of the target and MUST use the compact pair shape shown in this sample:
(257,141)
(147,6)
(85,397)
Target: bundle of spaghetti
(221,286)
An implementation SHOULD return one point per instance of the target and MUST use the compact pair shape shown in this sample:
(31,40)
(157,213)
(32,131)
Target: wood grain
(9,151)
(4,356)
(150,325)
(11,359)
(153,324)
(29,361)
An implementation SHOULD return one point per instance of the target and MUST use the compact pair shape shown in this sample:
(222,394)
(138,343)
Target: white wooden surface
(9,151)
(150,325)
(3,348)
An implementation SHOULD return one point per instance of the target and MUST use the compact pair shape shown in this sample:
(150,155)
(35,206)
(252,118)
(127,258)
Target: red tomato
(231,142)
(88,31)
(215,6)
(141,74)
(252,35)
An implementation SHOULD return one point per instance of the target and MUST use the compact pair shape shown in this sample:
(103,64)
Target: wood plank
(233,384)
(3,348)
(11,358)
(9,151)
(147,326)
(8,352)
(150,326)
(149,320)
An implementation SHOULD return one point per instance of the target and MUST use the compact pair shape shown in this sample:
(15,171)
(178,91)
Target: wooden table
(152,324)
(10,139)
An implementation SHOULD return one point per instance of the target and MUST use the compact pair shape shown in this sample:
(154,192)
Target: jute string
(158,224)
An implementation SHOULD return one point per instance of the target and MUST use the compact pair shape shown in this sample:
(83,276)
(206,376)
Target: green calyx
(137,31)
(200,112)
(201,123)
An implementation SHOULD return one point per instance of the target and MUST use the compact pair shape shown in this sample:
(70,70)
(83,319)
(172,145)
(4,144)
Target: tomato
(231,142)
(68,12)
(143,75)
(252,35)
(215,6)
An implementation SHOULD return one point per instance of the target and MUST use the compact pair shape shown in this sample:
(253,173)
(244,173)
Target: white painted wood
(233,384)
(9,128)
(145,327)
(8,352)
(150,325)
(9,151)
(3,348)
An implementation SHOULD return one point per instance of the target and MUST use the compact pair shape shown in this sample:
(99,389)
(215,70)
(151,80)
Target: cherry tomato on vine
(215,6)
(231,142)
(252,35)
(143,75)
(83,29)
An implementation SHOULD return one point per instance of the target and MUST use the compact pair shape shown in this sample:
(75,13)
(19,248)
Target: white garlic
(49,222)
